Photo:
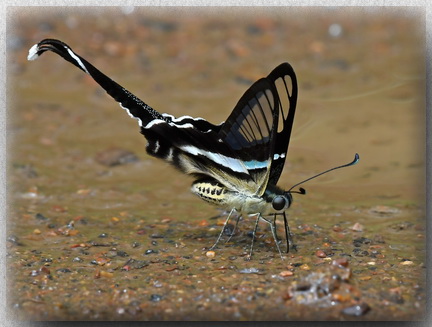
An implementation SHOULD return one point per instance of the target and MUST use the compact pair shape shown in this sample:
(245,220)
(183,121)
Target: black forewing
(285,82)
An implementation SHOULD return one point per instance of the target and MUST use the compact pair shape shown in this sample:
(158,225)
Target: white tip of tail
(32,55)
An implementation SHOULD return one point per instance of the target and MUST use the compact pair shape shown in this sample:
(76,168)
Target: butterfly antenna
(303,191)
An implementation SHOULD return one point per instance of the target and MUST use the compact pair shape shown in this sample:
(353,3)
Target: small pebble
(155,297)
(250,271)
(106,274)
(342,262)
(135,244)
(210,254)
(365,278)
(356,310)
(83,191)
(320,254)
(157,284)
(40,216)
(357,227)
(286,273)
(305,267)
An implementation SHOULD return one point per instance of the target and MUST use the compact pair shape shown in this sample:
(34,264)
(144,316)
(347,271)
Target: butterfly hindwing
(196,151)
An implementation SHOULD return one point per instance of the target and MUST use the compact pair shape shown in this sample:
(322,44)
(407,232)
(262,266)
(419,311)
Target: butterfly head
(282,202)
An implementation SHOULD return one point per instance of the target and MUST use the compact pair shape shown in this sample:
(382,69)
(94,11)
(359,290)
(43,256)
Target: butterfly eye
(279,202)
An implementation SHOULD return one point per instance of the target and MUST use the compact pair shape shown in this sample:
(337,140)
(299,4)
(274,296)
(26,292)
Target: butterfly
(236,164)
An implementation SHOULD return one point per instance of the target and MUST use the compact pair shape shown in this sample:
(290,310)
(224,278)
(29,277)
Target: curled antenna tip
(356,159)
(301,191)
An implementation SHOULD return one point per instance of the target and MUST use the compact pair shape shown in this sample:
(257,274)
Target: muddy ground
(98,230)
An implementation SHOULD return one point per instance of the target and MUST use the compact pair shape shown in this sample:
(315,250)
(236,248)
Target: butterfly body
(215,193)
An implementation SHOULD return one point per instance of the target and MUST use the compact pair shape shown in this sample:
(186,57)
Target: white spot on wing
(169,157)
(231,163)
(32,55)
(78,60)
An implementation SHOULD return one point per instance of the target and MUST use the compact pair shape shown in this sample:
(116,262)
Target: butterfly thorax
(216,193)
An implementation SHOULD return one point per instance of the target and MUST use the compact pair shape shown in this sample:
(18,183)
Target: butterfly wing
(250,129)
(259,129)
(239,153)
(195,148)
(285,82)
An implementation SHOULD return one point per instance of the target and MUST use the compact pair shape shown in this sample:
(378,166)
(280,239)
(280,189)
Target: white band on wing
(231,163)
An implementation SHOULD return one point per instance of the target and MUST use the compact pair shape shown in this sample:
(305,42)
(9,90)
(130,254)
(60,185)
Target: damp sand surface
(98,230)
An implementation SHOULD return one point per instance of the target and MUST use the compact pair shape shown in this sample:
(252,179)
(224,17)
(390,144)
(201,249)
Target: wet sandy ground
(91,239)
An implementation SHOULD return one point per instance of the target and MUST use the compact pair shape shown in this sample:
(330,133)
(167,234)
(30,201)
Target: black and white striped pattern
(244,156)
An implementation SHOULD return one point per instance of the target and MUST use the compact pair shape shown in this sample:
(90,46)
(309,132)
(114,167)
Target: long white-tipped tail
(135,107)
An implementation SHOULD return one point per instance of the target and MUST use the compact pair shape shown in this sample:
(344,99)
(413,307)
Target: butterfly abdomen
(211,191)
(215,193)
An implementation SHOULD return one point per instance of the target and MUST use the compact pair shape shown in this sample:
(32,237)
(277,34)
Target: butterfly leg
(288,235)
(273,230)
(235,227)
(274,225)
(253,236)
(223,229)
